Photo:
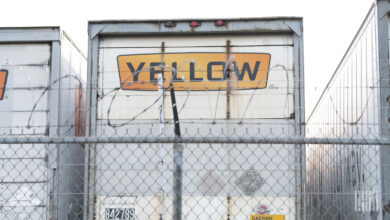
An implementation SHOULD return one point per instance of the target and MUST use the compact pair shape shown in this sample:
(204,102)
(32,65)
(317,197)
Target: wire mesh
(239,152)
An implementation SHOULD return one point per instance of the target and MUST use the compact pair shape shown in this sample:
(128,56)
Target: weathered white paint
(125,171)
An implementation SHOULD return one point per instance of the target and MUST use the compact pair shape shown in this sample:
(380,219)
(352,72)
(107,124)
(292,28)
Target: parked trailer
(42,77)
(352,181)
(231,77)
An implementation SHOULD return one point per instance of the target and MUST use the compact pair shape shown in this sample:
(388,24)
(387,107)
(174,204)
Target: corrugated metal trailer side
(125,60)
(44,75)
(352,181)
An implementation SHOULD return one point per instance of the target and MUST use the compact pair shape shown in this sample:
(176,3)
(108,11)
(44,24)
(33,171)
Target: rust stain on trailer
(228,93)
(162,74)
(228,207)
(229,78)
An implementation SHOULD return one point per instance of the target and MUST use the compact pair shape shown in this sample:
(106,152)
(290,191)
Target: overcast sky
(329,26)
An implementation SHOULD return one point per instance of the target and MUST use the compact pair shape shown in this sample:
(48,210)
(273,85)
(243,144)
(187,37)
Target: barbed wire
(194,140)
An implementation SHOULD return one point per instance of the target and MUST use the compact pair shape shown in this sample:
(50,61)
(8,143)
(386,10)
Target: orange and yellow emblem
(194,71)
(3,82)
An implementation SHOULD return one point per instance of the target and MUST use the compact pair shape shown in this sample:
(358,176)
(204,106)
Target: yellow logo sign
(194,71)
(3,82)
(267,217)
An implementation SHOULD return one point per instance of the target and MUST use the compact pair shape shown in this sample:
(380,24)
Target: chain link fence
(212,177)
(99,150)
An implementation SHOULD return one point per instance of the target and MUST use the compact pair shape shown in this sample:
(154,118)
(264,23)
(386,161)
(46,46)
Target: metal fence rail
(193,140)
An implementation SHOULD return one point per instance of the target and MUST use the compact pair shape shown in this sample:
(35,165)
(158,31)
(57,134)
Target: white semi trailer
(353,181)
(231,77)
(42,93)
